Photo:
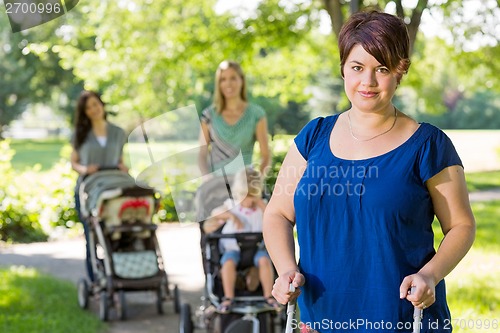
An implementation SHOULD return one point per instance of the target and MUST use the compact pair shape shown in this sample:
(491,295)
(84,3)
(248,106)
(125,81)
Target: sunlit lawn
(48,152)
(36,303)
(473,287)
(483,180)
(31,152)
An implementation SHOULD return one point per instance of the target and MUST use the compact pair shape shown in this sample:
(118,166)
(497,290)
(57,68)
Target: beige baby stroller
(125,255)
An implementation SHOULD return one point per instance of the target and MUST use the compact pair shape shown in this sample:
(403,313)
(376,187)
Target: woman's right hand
(281,287)
(91,168)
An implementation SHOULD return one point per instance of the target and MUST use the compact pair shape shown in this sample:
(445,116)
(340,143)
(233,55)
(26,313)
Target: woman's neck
(236,105)
(372,120)
(99,127)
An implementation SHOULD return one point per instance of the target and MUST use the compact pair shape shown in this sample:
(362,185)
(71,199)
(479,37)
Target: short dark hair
(382,35)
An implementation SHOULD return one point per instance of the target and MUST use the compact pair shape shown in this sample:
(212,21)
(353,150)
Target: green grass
(48,152)
(36,303)
(473,294)
(472,287)
(487,227)
(31,152)
(477,181)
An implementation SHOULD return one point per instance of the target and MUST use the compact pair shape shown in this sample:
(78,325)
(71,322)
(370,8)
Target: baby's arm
(220,216)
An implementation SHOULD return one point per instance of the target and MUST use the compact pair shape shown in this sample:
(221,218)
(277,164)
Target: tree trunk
(415,20)
(334,9)
(354,6)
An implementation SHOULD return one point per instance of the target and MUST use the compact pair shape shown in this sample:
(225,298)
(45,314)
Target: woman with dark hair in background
(97,144)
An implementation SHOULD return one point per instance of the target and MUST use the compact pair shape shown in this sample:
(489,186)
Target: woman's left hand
(425,290)
(122,167)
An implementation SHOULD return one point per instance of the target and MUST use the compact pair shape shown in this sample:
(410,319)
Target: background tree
(148,69)
(338,12)
(30,74)
(162,56)
(463,26)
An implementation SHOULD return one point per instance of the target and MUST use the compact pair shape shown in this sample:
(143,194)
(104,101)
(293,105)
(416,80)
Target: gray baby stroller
(250,311)
(125,255)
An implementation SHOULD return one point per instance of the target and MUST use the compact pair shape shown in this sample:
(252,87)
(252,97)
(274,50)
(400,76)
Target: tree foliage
(163,55)
(149,57)
(340,10)
(462,25)
(30,73)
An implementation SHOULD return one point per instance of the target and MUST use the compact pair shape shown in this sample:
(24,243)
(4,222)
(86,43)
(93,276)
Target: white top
(251,219)
(102,140)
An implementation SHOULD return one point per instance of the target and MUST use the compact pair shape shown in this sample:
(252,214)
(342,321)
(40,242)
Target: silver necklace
(376,136)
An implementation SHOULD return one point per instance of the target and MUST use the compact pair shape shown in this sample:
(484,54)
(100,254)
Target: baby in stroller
(243,214)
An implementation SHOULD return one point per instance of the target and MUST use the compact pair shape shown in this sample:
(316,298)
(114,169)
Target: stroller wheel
(103,305)
(177,300)
(83,293)
(186,324)
(240,326)
(159,300)
(121,305)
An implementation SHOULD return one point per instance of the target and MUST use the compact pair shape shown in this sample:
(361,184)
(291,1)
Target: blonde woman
(232,123)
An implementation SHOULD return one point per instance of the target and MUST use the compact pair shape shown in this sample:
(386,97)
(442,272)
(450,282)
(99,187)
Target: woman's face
(230,83)
(369,85)
(94,108)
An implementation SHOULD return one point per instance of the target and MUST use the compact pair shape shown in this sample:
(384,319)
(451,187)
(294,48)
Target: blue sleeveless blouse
(363,225)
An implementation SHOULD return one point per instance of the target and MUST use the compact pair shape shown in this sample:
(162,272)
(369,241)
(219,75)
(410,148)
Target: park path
(181,251)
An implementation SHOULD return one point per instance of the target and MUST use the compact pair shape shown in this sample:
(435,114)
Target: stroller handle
(251,236)
(290,311)
(102,168)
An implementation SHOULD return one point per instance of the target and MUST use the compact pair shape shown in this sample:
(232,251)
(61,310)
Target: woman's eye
(356,68)
(383,70)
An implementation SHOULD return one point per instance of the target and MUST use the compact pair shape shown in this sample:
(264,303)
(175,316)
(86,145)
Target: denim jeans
(86,230)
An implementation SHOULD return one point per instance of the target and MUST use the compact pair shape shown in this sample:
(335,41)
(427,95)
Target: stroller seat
(246,300)
(250,308)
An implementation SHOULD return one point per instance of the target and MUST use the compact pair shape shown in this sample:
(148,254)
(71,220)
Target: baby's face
(248,201)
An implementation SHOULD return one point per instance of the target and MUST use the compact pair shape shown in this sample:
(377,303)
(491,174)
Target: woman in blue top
(96,144)
(363,188)
(232,124)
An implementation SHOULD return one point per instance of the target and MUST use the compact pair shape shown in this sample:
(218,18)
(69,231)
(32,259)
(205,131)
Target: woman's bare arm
(263,140)
(279,220)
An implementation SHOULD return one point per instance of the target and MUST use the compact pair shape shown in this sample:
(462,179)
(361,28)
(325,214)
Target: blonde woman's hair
(219,99)
(247,182)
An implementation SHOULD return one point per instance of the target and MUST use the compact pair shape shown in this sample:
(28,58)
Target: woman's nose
(369,79)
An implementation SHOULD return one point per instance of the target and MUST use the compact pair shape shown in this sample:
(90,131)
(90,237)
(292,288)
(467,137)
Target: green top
(226,140)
